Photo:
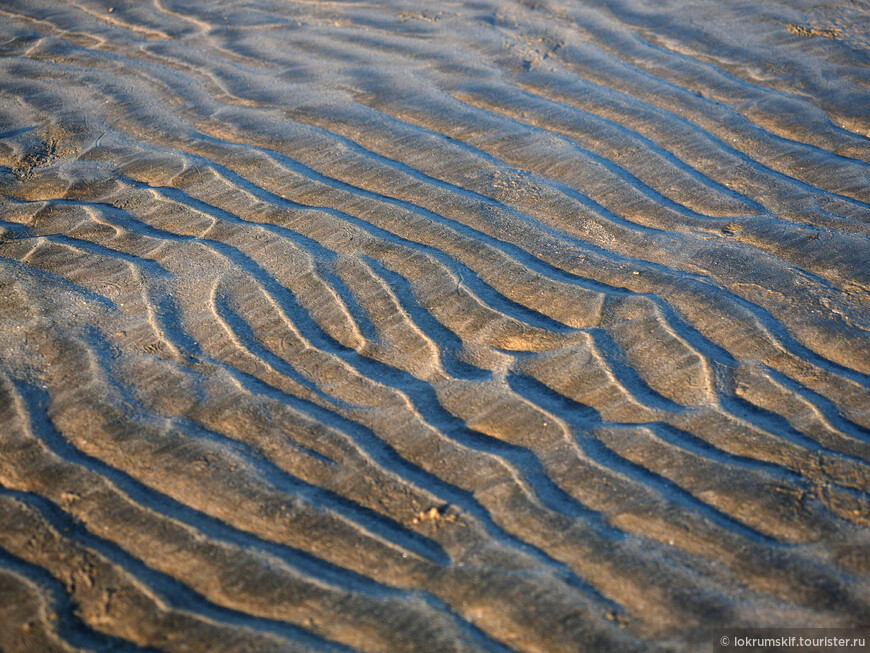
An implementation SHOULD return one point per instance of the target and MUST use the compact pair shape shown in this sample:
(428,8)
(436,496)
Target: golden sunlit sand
(432,326)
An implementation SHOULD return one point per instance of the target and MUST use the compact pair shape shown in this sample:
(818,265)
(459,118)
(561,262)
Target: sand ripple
(487,326)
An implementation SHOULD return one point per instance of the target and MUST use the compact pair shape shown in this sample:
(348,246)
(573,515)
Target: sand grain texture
(444,326)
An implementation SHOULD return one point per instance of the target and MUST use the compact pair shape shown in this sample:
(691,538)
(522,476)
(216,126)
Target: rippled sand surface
(432,326)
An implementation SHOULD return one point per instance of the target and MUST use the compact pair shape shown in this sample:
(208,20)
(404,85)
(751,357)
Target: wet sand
(443,326)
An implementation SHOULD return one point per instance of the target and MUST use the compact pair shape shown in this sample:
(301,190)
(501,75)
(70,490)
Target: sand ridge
(485,326)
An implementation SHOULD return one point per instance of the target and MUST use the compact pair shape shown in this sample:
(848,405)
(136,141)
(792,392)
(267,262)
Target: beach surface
(531,326)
